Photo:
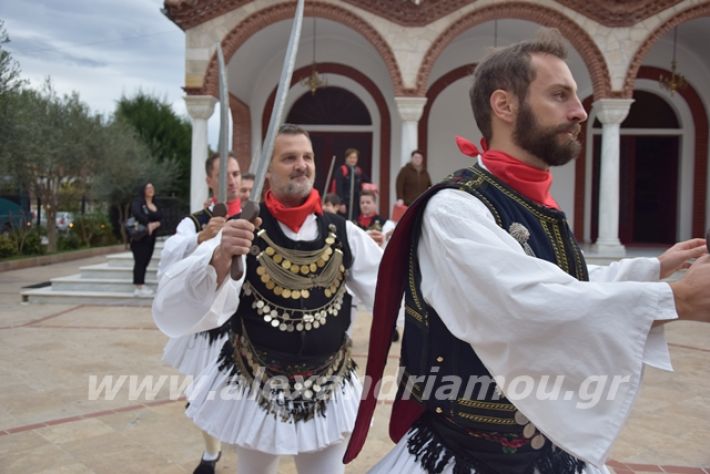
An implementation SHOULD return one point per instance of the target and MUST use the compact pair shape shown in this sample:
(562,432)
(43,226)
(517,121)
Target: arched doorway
(349,126)
(649,172)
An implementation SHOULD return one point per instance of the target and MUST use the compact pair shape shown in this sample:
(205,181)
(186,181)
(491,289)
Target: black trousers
(142,253)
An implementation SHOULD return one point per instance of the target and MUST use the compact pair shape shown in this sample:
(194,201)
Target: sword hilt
(250,212)
(219,210)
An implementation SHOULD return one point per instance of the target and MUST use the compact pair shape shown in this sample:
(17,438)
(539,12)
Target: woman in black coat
(144,210)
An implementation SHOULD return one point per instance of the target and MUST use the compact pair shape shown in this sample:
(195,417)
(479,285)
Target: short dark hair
(415,152)
(332,198)
(350,151)
(291,129)
(248,177)
(209,162)
(509,69)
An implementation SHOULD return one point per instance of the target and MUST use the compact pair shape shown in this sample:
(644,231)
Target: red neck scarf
(234,207)
(529,181)
(293,217)
(365,221)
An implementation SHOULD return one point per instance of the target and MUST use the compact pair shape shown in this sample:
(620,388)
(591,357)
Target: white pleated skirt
(193,353)
(226,412)
(400,461)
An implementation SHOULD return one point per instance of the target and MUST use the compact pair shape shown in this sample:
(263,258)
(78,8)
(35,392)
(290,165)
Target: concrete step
(108,271)
(125,259)
(115,298)
(109,285)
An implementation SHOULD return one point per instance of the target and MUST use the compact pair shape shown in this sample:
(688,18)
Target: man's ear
(504,105)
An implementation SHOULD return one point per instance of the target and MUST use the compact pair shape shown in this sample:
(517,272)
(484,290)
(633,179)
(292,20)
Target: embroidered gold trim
(487,405)
(491,420)
(413,313)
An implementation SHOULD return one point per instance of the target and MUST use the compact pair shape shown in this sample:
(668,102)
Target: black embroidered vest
(200,218)
(473,423)
(294,299)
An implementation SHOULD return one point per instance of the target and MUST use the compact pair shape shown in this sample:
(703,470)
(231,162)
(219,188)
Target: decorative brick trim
(407,13)
(377,96)
(686,15)
(283,11)
(241,132)
(189,13)
(613,13)
(700,166)
(431,95)
(580,39)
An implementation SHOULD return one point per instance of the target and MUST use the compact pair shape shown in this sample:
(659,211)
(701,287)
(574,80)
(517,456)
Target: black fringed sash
(472,455)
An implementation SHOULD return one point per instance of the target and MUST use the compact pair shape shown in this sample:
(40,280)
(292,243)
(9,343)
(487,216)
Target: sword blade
(250,209)
(327,179)
(223,146)
(277,111)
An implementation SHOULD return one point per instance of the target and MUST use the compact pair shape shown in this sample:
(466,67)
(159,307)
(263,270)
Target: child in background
(331,203)
(369,220)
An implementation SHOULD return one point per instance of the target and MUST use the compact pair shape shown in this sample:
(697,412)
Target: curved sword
(250,209)
(223,146)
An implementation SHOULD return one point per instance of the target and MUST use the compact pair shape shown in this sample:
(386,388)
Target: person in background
(412,180)
(192,353)
(246,186)
(145,211)
(369,220)
(331,203)
(350,177)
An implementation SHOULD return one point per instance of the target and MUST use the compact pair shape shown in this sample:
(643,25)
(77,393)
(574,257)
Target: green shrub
(7,246)
(93,230)
(68,241)
(28,242)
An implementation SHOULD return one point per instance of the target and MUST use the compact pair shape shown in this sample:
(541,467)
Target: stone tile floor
(50,424)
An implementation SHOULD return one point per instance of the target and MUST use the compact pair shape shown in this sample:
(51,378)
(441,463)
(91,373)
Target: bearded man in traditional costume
(497,290)
(285,382)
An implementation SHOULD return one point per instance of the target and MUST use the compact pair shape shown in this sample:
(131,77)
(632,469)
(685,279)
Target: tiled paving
(49,424)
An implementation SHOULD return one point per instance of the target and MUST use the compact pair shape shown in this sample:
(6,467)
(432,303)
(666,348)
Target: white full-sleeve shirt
(527,320)
(179,245)
(188,299)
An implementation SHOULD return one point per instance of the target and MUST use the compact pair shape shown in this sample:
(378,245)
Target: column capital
(410,108)
(612,111)
(200,106)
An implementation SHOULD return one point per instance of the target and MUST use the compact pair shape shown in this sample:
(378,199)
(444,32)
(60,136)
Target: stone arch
(377,97)
(580,39)
(686,15)
(263,18)
(700,161)
(431,95)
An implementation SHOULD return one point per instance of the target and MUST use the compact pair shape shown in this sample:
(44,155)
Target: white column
(410,110)
(200,108)
(610,112)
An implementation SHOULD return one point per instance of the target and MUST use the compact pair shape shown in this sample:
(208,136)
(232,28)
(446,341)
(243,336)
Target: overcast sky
(102,49)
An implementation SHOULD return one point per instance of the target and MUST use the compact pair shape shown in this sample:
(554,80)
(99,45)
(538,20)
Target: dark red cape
(391,278)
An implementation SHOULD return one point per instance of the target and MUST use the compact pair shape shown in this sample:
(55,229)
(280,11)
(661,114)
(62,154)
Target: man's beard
(544,142)
(300,189)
